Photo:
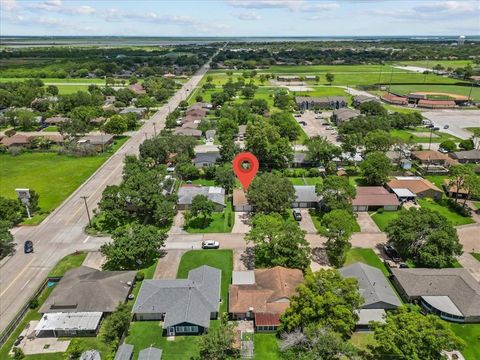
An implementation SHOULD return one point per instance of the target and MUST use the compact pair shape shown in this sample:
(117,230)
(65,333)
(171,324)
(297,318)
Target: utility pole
(88,212)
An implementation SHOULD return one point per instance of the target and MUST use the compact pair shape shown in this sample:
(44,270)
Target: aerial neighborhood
(237,198)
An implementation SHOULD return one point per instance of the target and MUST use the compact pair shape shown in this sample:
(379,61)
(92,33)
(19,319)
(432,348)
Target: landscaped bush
(313,172)
(33,304)
(459,208)
(140,276)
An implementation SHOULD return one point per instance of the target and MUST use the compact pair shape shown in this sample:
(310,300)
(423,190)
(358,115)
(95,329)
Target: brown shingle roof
(429,155)
(270,292)
(414,185)
(374,196)
(267,319)
(16,139)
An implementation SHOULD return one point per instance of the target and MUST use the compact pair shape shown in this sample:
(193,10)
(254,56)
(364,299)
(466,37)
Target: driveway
(177,226)
(242,223)
(367,225)
(307,223)
(94,259)
(167,265)
(456,120)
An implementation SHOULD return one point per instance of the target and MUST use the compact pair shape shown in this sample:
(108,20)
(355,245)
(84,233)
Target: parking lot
(314,125)
(457,121)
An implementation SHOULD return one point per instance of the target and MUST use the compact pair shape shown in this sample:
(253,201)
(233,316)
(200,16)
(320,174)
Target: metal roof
(69,321)
(442,303)
(124,352)
(150,353)
(402,192)
(374,286)
(305,193)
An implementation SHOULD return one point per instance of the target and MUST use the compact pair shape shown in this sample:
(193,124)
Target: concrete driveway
(367,225)
(167,265)
(307,223)
(177,226)
(242,223)
(456,120)
(94,259)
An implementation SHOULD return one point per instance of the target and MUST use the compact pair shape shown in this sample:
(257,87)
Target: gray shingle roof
(374,287)
(305,193)
(183,300)
(150,353)
(124,352)
(188,192)
(467,155)
(85,289)
(345,114)
(206,158)
(458,284)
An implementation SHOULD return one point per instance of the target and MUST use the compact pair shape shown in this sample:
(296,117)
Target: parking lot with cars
(318,124)
(455,122)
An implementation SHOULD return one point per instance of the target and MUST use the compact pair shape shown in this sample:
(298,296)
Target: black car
(297,215)
(28,247)
(392,253)
(18,340)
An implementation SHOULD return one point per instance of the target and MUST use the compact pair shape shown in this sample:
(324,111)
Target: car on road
(446,126)
(18,340)
(210,244)
(442,150)
(392,253)
(28,247)
(297,215)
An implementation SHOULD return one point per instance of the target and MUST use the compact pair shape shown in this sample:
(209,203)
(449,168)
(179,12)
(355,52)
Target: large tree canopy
(425,237)
(271,193)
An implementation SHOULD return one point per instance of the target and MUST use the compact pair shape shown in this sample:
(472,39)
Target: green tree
(321,151)
(11,210)
(7,245)
(425,237)
(408,334)
(282,100)
(324,300)
(373,108)
(472,186)
(146,102)
(52,90)
(187,171)
(448,145)
(339,226)
(116,125)
(375,168)
(116,323)
(248,91)
(378,140)
(202,205)
(286,125)
(228,149)
(271,193)
(458,174)
(337,193)
(73,128)
(278,242)
(219,342)
(18,353)
(133,247)
(466,144)
(225,177)
(330,77)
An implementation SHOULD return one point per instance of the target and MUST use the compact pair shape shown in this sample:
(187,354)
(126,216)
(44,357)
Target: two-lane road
(62,232)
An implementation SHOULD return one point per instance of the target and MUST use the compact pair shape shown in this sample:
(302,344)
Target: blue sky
(239,17)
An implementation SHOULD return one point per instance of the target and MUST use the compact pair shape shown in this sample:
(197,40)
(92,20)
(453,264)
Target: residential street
(62,232)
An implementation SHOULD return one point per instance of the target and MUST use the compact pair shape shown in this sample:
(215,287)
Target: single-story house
(361,99)
(140,112)
(186,193)
(394,99)
(339,116)
(436,104)
(150,353)
(404,195)
(16,140)
(325,102)
(240,202)
(263,297)
(305,197)
(376,291)
(186,306)
(62,324)
(432,162)
(100,142)
(346,159)
(397,158)
(98,120)
(421,187)
(124,352)
(467,157)
(137,88)
(55,120)
(452,191)
(370,198)
(191,124)
(203,159)
(84,289)
(188,132)
(453,294)
(197,113)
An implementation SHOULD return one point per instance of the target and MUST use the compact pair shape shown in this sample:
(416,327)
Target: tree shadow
(248,258)
(199,223)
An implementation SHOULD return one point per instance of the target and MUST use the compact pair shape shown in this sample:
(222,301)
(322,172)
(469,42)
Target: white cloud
(56,6)
(292,5)
(117,15)
(8,5)
(248,16)
(435,11)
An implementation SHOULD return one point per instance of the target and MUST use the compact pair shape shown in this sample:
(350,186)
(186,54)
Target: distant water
(19,41)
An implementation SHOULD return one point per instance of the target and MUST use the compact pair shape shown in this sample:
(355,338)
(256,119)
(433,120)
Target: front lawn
(220,259)
(305,180)
(470,333)
(219,222)
(366,256)
(204,182)
(266,347)
(67,263)
(476,255)
(382,219)
(54,177)
(442,207)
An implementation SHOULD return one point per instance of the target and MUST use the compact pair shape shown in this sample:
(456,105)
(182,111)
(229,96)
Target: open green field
(71,89)
(412,135)
(429,64)
(470,333)
(447,87)
(57,80)
(217,223)
(442,207)
(54,177)
(266,347)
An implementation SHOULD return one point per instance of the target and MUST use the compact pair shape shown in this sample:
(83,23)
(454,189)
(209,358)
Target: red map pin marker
(245,166)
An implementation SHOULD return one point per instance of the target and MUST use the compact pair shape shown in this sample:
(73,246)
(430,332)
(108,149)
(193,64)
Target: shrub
(15,151)
(459,208)
(18,353)
(140,276)
(313,172)
(33,304)
(10,132)
(230,219)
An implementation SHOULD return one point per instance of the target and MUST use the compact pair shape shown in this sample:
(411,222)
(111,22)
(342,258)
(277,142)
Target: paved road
(456,120)
(62,232)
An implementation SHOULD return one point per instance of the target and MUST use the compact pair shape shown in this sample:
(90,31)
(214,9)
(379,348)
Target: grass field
(217,223)
(366,256)
(445,88)
(54,177)
(470,333)
(67,263)
(71,89)
(57,80)
(476,256)
(383,219)
(305,180)
(429,64)
(266,347)
(410,135)
(442,208)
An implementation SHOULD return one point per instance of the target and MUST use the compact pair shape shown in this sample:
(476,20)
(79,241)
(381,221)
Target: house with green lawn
(185,306)
(186,193)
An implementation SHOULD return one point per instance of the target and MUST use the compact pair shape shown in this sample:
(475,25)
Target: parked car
(210,244)
(303,123)
(297,215)
(329,128)
(442,150)
(446,126)
(393,265)
(18,340)
(298,115)
(28,247)
(392,253)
